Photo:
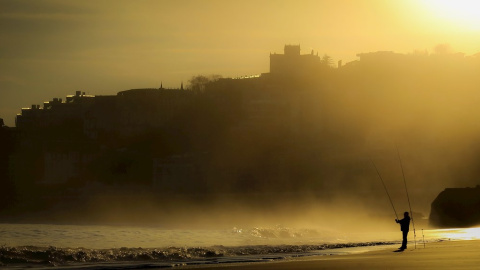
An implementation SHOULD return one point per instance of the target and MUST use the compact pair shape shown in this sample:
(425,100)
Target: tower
(292,63)
(292,50)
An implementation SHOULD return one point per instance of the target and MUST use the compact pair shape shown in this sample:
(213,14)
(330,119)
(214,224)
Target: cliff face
(456,207)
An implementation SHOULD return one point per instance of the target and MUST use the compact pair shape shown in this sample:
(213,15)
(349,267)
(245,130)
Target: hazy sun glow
(463,13)
(459,234)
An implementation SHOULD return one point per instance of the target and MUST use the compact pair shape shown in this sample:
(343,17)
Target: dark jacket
(404,224)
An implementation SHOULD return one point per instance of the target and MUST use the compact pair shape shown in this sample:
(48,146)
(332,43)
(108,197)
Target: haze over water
(126,247)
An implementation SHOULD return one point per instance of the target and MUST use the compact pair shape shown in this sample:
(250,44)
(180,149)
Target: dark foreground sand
(440,255)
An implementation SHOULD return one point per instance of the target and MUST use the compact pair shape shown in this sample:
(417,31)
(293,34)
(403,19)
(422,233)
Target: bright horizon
(53,48)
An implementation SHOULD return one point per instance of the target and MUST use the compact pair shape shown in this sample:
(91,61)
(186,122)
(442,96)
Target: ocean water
(129,247)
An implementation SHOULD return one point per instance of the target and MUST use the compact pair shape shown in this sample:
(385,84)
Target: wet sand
(440,255)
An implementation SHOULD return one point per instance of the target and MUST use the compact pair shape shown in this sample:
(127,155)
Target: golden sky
(50,48)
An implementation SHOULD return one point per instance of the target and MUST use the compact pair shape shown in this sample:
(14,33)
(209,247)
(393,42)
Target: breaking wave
(163,257)
(109,247)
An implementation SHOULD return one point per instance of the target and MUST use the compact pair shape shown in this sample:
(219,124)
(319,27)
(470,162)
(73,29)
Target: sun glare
(463,13)
(460,234)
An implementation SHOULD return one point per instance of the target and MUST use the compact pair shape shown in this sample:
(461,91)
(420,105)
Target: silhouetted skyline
(304,128)
(407,75)
(53,48)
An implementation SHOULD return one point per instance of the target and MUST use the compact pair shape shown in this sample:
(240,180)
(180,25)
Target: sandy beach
(439,255)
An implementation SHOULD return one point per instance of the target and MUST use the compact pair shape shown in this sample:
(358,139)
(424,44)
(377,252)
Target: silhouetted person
(404,227)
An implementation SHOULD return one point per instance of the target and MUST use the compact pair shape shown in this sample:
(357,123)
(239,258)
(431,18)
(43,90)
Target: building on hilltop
(60,139)
(128,113)
(378,56)
(145,109)
(54,112)
(292,62)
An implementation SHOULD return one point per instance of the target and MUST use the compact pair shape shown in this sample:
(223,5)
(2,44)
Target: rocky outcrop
(456,207)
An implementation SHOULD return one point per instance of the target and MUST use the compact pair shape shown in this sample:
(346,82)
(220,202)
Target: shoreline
(452,254)
(446,254)
(72,253)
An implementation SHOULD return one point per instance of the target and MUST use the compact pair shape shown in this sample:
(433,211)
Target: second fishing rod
(408,198)
(385,187)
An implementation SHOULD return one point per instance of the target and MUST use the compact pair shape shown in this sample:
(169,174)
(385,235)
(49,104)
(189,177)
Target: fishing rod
(408,198)
(385,187)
